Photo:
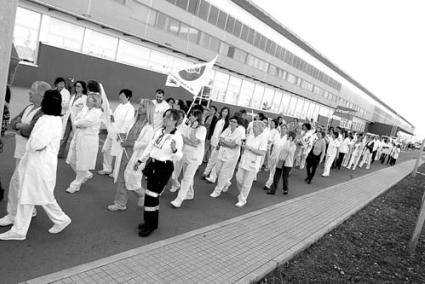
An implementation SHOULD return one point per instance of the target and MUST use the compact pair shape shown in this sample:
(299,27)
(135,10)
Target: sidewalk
(242,249)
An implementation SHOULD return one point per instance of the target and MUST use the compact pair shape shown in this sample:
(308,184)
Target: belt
(159,161)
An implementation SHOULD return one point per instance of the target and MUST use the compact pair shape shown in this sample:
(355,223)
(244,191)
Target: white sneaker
(6,221)
(214,194)
(72,189)
(111,175)
(115,207)
(11,236)
(104,173)
(175,204)
(240,204)
(57,228)
(174,188)
(86,178)
(226,187)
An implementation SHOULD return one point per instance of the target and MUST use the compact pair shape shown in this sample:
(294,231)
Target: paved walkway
(242,249)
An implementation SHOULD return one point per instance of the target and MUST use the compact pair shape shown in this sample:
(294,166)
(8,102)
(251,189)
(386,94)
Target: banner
(192,78)
(344,112)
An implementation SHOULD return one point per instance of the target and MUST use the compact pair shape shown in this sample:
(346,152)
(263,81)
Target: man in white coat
(37,171)
(121,121)
(161,107)
(23,123)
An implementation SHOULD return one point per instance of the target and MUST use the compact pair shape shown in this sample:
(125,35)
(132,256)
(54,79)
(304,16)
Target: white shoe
(11,236)
(111,175)
(115,207)
(72,189)
(240,204)
(174,188)
(6,221)
(104,173)
(214,194)
(226,187)
(86,178)
(175,204)
(210,180)
(57,228)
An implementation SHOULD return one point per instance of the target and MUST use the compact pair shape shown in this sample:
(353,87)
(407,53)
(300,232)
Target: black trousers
(157,179)
(383,156)
(311,165)
(339,160)
(373,156)
(64,141)
(284,172)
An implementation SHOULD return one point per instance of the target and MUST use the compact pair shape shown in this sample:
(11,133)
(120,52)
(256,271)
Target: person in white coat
(61,87)
(255,148)
(161,107)
(307,143)
(84,146)
(121,121)
(356,153)
(333,146)
(220,126)
(37,171)
(135,142)
(193,135)
(76,104)
(23,123)
(229,151)
(275,149)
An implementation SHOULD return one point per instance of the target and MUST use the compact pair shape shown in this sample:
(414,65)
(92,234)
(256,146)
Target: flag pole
(193,103)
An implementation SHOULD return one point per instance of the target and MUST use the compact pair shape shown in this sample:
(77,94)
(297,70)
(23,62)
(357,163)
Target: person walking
(333,146)
(356,153)
(316,156)
(37,171)
(133,145)
(161,106)
(275,150)
(343,149)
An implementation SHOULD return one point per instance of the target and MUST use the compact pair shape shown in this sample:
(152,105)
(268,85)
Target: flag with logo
(192,78)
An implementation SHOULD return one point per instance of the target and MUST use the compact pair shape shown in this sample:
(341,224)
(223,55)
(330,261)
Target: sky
(380,43)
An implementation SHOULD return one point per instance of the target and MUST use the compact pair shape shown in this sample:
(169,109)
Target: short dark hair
(170,99)
(237,118)
(214,108)
(197,114)
(93,86)
(242,111)
(8,95)
(52,103)
(198,107)
(83,84)
(58,80)
(292,134)
(127,93)
(160,91)
(175,115)
(307,125)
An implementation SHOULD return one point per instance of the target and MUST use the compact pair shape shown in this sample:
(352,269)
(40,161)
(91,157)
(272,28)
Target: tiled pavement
(242,249)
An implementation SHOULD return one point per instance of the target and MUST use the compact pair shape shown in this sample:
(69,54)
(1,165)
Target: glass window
(230,24)
(100,44)
(291,78)
(224,49)
(257,39)
(193,35)
(276,101)
(263,43)
(272,48)
(151,20)
(251,36)
(182,3)
(193,6)
(219,86)
(233,90)
(203,10)
(246,92)
(257,97)
(222,17)
(173,26)
(286,99)
(160,62)
(25,34)
(307,85)
(238,28)
(272,70)
(184,31)
(299,108)
(244,34)
(161,21)
(306,109)
(266,104)
(213,16)
(133,54)
(61,34)
(214,44)
(240,55)
(250,60)
(292,106)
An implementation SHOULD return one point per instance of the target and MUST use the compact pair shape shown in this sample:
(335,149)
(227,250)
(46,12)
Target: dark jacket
(25,131)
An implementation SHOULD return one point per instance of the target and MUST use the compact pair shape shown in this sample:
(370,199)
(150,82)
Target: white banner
(192,78)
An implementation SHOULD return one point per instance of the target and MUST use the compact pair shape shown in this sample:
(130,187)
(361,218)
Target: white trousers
(273,164)
(225,172)
(367,158)
(24,216)
(346,158)
(107,158)
(80,178)
(328,164)
(212,161)
(12,195)
(244,179)
(354,160)
(189,169)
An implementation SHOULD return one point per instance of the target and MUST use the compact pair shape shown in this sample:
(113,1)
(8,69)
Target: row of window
(221,19)
(225,88)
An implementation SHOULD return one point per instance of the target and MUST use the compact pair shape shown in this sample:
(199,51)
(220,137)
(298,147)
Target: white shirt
(277,145)
(249,160)
(226,153)
(90,120)
(160,146)
(160,109)
(76,105)
(395,152)
(218,129)
(65,100)
(123,117)
(344,146)
(376,144)
(194,153)
(332,146)
(288,152)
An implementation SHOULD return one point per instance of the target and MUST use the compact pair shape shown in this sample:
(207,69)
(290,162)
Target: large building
(135,43)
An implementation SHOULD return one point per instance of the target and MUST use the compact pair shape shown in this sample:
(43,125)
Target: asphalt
(96,233)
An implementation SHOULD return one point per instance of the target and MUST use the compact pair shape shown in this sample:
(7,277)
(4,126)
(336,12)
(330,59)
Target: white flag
(192,78)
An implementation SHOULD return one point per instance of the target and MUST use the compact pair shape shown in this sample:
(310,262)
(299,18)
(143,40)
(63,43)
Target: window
(276,101)
(224,49)
(230,24)
(257,39)
(266,103)
(212,18)
(299,108)
(222,17)
(184,31)
(238,28)
(233,90)
(205,40)
(246,92)
(219,86)
(160,62)
(291,78)
(25,34)
(203,10)
(307,85)
(151,20)
(251,36)
(133,54)
(250,60)
(214,44)
(182,3)
(272,70)
(161,21)
(61,34)
(257,97)
(193,35)
(244,34)
(173,26)
(100,44)
(292,106)
(240,55)
(193,6)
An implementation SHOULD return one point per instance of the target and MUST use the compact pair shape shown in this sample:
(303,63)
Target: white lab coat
(74,108)
(37,169)
(160,109)
(85,143)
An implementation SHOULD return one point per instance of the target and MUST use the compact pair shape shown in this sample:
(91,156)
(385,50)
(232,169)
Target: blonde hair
(97,99)
(150,109)
(40,87)
(260,125)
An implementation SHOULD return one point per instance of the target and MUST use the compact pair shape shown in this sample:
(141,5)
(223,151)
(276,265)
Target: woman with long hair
(193,136)
(133,145)
(84,146)
(221,125)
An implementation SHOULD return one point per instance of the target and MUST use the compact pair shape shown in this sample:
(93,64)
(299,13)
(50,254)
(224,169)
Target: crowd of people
(163,142)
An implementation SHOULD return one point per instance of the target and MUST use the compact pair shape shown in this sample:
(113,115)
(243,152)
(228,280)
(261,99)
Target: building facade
(135,43)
